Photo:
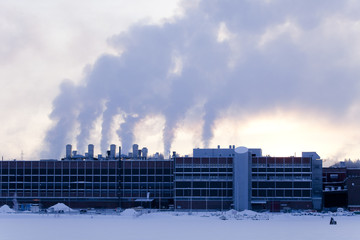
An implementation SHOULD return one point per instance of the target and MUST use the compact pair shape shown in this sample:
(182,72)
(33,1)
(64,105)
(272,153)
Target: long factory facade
(218,178)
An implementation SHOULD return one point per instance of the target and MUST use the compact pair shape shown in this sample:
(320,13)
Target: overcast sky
(170,75)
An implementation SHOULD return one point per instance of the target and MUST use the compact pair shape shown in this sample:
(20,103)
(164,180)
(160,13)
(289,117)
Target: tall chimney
(135,151)
(112,151)
(90,151)
(68,151)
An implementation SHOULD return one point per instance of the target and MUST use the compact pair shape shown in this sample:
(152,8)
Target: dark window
(284,184)
(266,184)
(89,171)
(179,193)
(142,178)
(213,193)
(306,193)
(183,184)
(27,171)
(270,193)
(262,193)
(73,171)
(65,171)
(301,184)
(254,184)
(65,179)
(254,193)
(97,171)
(280,193)
(135,171)
(58,171)
(151,171)
(81,171)
(288,193)
(50,171)
(196,193)
(135,179)
(199,184)
(297,193)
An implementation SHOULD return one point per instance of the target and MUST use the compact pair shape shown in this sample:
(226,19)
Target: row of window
(5,179)
(36,171)
(203,193)
(147,179)
(204,166)
(259,165)
(203,185)
(58,186)
(281,170)
(204,170)
(281,193)
(281,184)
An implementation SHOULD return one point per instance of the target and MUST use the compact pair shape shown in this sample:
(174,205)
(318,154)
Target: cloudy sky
(173,75)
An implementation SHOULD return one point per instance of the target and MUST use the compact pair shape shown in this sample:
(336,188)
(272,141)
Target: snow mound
(60,207)
(6,209)
(130,213)
(246,214)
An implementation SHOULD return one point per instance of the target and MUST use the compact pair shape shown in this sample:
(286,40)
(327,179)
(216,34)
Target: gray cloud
(270,54)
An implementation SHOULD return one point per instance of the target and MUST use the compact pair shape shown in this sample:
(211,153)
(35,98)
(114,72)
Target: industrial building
(219,178)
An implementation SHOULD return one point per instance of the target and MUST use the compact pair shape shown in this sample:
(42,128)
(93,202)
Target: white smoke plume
(249,55)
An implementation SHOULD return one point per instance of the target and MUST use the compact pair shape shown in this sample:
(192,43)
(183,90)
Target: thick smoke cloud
(248,55)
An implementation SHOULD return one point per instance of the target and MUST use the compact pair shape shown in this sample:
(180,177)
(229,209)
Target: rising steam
(250,55)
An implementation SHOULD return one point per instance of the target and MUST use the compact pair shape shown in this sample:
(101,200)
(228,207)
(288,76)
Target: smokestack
(135,151)
(119,152)
(68,151)
(218,146)
(112,151)
(144,152)
(139,154)
(90,151)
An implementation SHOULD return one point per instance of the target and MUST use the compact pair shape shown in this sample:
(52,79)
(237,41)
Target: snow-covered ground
(176,225)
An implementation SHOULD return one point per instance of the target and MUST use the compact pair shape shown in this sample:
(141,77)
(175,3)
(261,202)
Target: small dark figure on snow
(332,221)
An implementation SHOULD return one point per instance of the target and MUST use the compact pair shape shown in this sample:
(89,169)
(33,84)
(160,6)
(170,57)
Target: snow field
(174,226)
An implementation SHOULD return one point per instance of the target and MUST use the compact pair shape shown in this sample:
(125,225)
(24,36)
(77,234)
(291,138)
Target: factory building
(219,178)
